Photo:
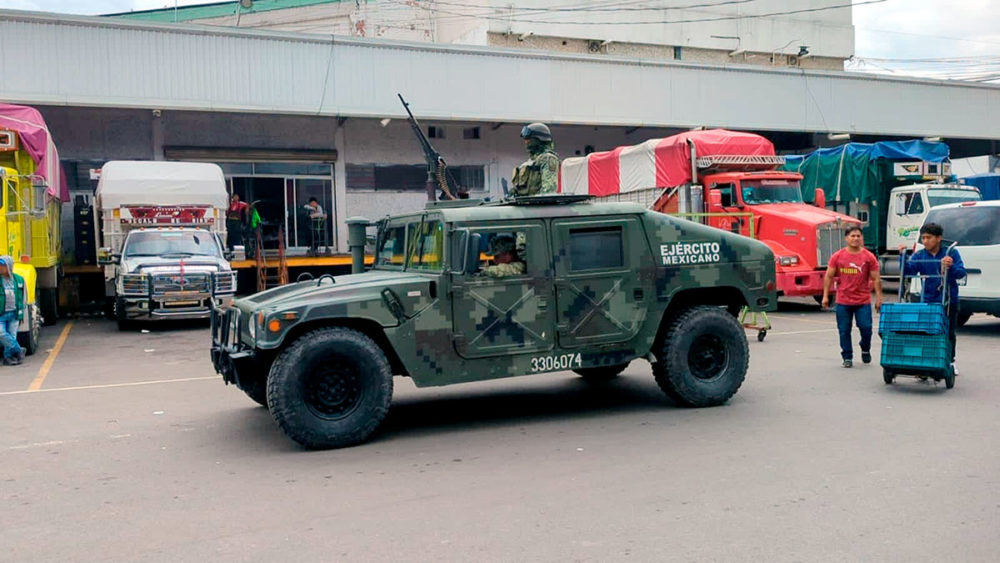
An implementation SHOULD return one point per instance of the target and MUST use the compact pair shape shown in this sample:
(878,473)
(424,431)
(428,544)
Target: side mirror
(472,253)
(819,198)
(104,256)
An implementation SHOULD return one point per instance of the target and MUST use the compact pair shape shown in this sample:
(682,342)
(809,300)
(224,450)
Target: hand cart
(915,335)
(758,320)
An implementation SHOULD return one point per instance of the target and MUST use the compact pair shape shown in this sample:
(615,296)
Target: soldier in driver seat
(506,261)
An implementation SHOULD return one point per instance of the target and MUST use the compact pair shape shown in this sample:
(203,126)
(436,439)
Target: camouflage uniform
(539,174)
(504,244)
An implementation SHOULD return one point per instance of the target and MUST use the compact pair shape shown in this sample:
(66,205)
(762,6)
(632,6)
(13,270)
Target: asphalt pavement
(128,447)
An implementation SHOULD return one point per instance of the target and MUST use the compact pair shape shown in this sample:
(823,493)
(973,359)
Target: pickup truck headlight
(135,285)
(789,260)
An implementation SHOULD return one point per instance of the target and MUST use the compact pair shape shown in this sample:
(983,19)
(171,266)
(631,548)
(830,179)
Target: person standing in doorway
(539,174)
(11,311)
(317,218)
(236,216)
(856,271)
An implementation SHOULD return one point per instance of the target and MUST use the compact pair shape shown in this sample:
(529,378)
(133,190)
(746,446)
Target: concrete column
(157,136)
(340,211)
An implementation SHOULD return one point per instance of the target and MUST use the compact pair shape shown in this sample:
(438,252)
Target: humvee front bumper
(229,355)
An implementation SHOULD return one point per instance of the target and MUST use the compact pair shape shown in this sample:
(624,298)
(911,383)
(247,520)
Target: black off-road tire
(331,388)
(255,387)
(963,317)
(704,358)
(601,374)
(48,302)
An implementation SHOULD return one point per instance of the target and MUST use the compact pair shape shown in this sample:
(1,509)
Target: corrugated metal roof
(113,63)
(214,10)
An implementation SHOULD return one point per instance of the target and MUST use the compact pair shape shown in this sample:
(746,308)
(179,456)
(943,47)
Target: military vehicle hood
(386,297)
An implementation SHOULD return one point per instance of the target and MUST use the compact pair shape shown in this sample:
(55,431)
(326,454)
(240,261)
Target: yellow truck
(33,189)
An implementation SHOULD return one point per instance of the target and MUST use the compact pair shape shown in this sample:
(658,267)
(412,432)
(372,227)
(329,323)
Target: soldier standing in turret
(539,174)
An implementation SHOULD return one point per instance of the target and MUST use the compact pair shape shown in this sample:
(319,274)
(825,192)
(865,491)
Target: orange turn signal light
(274,325)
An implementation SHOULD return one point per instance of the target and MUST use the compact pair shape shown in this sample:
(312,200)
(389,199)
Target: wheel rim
(333,391)
(707,357)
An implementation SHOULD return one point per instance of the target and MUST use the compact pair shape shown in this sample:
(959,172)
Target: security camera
(157,113)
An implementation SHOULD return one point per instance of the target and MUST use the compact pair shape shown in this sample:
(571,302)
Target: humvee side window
(595,249)
(391,247)
(498,249)
(427,251)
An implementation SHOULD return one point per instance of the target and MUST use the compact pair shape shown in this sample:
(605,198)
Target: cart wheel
(761,335)
(949,377)
(887,376)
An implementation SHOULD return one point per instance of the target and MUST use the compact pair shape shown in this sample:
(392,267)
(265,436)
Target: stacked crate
(914,337)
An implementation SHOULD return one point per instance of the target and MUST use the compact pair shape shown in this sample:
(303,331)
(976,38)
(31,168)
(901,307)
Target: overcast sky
(892,29)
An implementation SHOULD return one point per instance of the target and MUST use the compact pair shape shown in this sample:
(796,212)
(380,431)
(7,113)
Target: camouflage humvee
(601,285)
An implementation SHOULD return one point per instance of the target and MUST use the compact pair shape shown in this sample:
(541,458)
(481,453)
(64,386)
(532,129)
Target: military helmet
(501,244)
(538,131)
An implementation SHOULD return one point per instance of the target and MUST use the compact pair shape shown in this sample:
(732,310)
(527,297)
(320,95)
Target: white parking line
(109,385)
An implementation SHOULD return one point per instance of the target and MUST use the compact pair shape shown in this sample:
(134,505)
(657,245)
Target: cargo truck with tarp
(33,189)
(728,180)
(890,186)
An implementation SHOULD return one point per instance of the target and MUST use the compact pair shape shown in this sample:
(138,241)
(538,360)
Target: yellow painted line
(47,365)
(109,385)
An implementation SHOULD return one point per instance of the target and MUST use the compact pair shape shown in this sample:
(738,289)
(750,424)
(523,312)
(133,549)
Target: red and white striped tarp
(656,163)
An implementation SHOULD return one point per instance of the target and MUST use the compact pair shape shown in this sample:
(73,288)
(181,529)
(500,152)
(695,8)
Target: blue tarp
(988,184)
(894,150)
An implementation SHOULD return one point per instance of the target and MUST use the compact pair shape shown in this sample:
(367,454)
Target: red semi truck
(725,179)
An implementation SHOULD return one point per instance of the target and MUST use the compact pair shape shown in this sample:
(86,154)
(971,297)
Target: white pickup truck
(161,239)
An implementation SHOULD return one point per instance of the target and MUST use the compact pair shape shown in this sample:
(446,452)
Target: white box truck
(161,232)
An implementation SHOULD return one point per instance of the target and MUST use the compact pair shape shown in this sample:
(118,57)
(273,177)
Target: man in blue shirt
(933,260)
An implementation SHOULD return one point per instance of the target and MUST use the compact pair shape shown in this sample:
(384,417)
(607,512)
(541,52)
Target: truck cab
(909,206)
(596,287)
(767,205)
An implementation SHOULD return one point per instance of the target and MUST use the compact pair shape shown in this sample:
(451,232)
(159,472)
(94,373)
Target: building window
(470,133)
(408,177)
(677,53)
(435,132)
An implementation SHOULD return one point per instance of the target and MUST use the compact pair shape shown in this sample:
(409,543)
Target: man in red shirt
(235,217)
(855,270)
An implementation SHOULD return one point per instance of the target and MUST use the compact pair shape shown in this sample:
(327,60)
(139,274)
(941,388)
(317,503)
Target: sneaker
(20,355)
(848,363)
(866,357)
(954,369)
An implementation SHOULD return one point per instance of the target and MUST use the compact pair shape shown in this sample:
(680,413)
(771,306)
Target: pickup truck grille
(829,239)
(171,283)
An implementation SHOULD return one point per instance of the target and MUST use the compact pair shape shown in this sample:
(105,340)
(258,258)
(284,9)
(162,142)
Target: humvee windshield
(425,250)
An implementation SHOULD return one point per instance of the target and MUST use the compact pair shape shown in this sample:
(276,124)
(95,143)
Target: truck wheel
(704,359)
(48,301)
(255,387)
(29,338)
(330,389)
(120,316)
(601,373)
(963,317)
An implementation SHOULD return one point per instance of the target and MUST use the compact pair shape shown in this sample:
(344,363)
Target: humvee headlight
(252,329)
(789,260)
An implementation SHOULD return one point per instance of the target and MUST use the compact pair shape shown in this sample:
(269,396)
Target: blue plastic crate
(916,351)
(923,318)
